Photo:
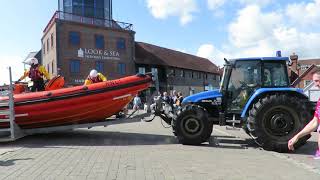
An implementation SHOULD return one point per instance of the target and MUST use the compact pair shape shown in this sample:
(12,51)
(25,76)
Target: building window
(77,7)
(307,82)
(75,66)
(48,68)
(74,38)
(154,70)
(67,6)
(122,68)
(121,43)
(48,45)
(89,8)
(172,73)
(99,41)
(206,76)
(99,66)
(100,11)
(304,67)
(142,70)
(52,67)
(182,73)
(52,40)
(44,48)
(199,75)
(192,74)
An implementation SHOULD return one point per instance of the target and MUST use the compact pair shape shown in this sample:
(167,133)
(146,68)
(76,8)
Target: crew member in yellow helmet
(36,73)
(94,77)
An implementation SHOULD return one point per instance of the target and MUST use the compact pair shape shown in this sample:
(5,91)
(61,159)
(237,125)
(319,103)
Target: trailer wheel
(192,126)
(274,119)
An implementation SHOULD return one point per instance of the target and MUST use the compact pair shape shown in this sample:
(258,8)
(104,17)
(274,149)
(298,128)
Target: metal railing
(88,20)
(7,111)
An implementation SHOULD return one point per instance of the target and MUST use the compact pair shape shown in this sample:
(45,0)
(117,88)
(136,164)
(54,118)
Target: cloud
(303,13)
(184,9)
(215,4)
(255,2)
(263,33)
(210,52)
(254,33)
(305,44)
(17,68)
(252,25)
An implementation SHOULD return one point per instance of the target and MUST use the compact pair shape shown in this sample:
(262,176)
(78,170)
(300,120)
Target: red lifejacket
(34,73)
(95,80)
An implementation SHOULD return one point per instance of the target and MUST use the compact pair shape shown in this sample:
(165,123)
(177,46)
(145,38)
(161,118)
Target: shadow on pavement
(80,137)
(308,149)
(11,162)
(104,138)
(232,142)
(91,138)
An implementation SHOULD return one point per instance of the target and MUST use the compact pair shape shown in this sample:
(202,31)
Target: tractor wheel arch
(255,99)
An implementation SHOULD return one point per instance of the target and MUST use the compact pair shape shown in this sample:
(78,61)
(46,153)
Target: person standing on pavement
(36,73)
(136,102)
(313,124)
(174,96)
(167,98)
(179,99)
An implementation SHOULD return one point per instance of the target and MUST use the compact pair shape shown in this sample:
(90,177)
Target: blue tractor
(254,94)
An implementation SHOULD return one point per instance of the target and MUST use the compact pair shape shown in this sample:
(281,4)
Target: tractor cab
(255,94)
(242,77)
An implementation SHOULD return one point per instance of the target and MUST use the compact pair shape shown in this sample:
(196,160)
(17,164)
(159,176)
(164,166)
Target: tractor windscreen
(244,79)
(275,74)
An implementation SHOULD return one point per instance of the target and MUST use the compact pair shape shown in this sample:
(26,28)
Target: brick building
(79,37)
(73,45)
(176,70)
(301,71)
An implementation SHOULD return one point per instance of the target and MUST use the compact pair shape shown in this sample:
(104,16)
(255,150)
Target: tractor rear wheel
(192,126)
(274,119)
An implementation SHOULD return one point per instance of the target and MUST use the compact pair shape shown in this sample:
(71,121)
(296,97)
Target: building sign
(98,54)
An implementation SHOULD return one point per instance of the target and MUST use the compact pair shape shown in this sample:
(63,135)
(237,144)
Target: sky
(214,29)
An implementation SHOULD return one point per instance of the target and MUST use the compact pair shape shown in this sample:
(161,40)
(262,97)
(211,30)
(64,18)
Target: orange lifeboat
(75,105)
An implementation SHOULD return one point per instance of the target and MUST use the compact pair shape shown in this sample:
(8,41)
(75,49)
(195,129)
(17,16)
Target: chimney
(294,60)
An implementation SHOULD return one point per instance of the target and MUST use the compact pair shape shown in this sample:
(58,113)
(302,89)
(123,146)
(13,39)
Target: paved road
(143,150)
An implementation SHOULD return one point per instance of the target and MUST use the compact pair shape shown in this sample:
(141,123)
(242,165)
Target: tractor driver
(242,83)
(236,84)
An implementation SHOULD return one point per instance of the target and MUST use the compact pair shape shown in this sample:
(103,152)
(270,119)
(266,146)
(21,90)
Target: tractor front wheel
(192,126)
(274,119)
